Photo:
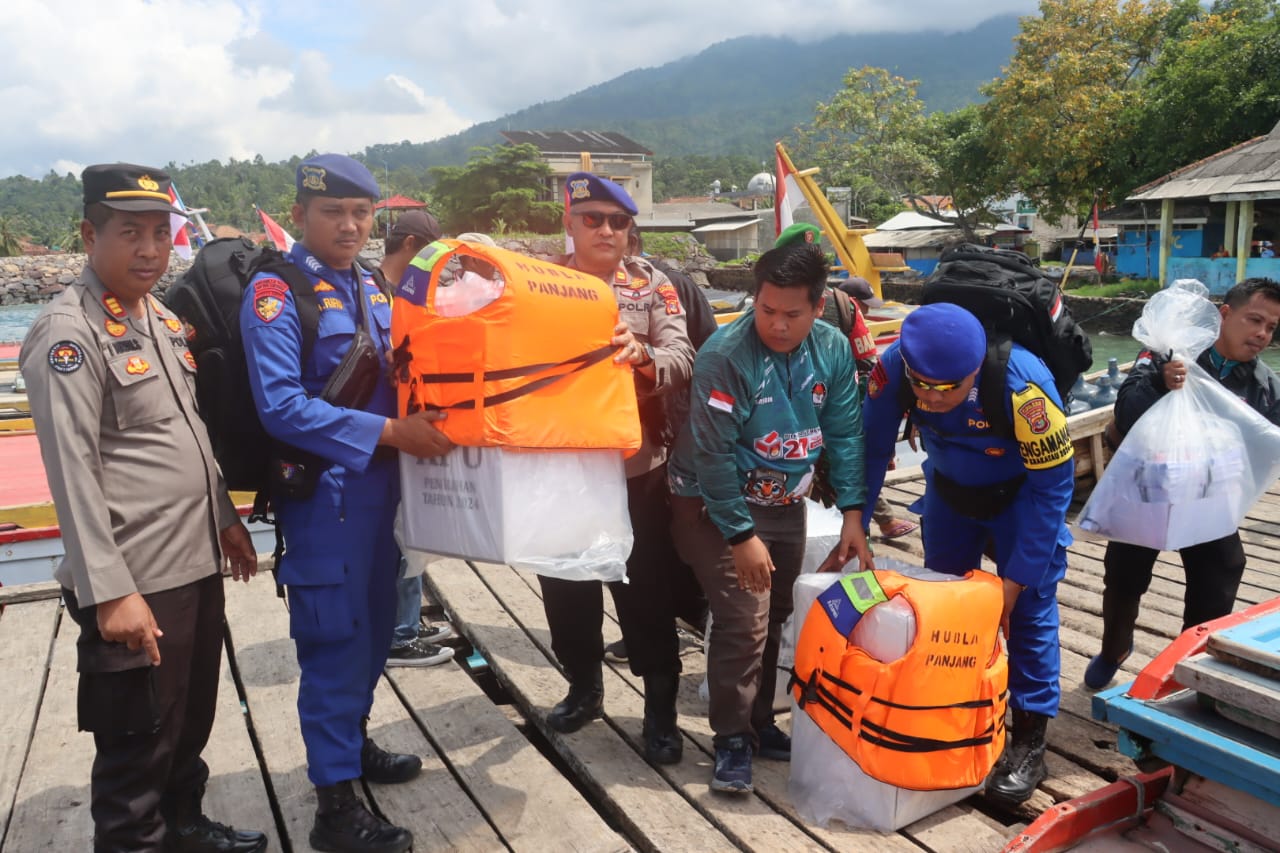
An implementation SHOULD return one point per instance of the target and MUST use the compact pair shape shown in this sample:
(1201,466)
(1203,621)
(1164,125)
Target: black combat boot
(1021,768)
(385,768)
(584,703)
(344,824)
(663,743)
(187,830)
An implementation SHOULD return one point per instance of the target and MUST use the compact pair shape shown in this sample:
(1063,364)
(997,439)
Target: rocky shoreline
(35,279)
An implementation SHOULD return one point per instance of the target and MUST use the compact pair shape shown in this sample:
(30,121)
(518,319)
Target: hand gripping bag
(1193,464)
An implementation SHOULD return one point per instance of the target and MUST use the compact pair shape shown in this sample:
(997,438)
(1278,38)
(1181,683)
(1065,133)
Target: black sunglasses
(594,219)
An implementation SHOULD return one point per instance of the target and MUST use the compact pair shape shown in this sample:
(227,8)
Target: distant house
(727,231)
(1228,200)
(609,155)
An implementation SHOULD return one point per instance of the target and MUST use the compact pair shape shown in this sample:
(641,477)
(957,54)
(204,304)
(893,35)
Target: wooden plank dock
(495,776)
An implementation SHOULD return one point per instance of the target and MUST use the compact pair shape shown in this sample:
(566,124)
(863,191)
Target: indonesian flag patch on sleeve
(720,400)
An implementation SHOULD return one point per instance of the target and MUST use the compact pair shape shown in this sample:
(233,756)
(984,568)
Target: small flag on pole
(1099,259)
(280,237)
(178,225)
(786,196)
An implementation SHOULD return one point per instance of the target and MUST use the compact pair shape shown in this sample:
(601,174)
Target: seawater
(15,320)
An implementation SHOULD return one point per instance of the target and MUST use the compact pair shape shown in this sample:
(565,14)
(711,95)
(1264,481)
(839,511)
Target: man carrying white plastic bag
(1191,463)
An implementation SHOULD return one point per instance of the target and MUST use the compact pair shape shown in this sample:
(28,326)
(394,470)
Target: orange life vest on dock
(934,718)
(532,368)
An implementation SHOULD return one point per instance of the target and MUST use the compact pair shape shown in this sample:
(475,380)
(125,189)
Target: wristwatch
(649,356)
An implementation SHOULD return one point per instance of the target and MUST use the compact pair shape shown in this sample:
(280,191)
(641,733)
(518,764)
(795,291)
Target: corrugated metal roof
(909,219)
(575,141)
(1251,168)
(727,226)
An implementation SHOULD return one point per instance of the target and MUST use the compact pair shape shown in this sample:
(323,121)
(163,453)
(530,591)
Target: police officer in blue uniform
(984,488)
(340,560)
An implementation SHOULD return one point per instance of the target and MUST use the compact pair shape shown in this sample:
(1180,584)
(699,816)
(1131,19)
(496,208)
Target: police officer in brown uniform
(653,338)
(146,522)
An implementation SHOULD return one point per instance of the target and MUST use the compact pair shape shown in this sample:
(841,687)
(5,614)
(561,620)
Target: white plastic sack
(1194,463)
(825,782)
(558,513)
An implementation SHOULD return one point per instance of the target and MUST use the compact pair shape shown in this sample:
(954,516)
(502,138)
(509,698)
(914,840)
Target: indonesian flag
(720,400)
(786,196)
(178,225)
(280,237)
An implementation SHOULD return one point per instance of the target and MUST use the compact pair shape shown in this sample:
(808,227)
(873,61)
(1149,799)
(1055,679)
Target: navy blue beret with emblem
(336,176)
(584,186)
(943,342)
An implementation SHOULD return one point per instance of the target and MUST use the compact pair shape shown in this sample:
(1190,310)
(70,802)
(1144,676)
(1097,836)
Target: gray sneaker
(418,653)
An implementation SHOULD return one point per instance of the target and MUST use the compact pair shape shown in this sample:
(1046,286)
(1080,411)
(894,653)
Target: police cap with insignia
(584,186)
(799,232)
(942,341)
(336,176)
(126,186)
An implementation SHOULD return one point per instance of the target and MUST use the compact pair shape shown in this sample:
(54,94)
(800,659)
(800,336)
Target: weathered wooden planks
(654,816)
(52,807)
(26,639)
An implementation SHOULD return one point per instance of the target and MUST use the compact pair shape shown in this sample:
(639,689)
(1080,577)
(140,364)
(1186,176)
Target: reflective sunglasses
(594,219)
(917,382)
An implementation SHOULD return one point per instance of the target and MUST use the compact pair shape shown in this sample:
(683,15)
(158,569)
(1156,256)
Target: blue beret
(584,186)
(336,176)
(943,342)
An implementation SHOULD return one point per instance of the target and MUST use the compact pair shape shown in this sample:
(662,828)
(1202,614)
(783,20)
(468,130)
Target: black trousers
(575,609)
(149,723)
(1213,571)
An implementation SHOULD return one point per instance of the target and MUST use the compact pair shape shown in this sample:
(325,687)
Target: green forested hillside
(726,105)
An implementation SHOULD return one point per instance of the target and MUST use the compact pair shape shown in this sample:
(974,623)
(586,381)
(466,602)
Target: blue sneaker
(1100,671)
(733,765)
(774,743)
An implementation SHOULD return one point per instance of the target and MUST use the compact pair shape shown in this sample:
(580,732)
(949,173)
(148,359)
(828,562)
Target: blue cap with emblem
(584,186)
(336,176)
(943,342)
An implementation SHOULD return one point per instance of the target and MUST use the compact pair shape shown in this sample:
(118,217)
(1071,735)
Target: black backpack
(1016,303)
(207,297)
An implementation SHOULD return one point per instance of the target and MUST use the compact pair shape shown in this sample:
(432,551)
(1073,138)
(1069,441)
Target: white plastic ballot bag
(560,513)
(1193,464)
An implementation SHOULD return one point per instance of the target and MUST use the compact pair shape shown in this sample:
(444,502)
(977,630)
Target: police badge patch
(268,298)
(66,357)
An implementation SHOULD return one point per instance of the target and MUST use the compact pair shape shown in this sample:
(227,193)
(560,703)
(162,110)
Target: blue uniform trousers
(954,543)
(342,631)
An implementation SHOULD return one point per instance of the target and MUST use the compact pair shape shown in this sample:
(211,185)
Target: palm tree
(11,236)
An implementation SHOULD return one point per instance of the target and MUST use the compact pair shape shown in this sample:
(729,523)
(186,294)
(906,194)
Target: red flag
(280,237)
(178,226)
(786,195)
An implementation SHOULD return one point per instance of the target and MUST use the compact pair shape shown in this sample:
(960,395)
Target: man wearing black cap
(653,338)
(146,522)
(983,487)
(340,561)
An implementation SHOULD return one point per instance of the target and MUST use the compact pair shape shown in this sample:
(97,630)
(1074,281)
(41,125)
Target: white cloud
(184,81)
(154,81)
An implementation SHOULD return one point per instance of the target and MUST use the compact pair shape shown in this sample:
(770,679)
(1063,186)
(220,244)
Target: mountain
(738,96)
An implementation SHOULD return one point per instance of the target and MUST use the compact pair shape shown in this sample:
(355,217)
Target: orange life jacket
(533,368)
(930,720)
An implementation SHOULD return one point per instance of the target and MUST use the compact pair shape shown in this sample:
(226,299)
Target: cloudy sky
(187,81)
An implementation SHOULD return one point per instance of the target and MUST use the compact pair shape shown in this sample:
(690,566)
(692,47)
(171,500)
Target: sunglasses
(594,219)
(917,382)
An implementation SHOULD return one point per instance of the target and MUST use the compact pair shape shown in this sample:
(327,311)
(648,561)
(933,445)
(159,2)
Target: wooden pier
(495,776)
